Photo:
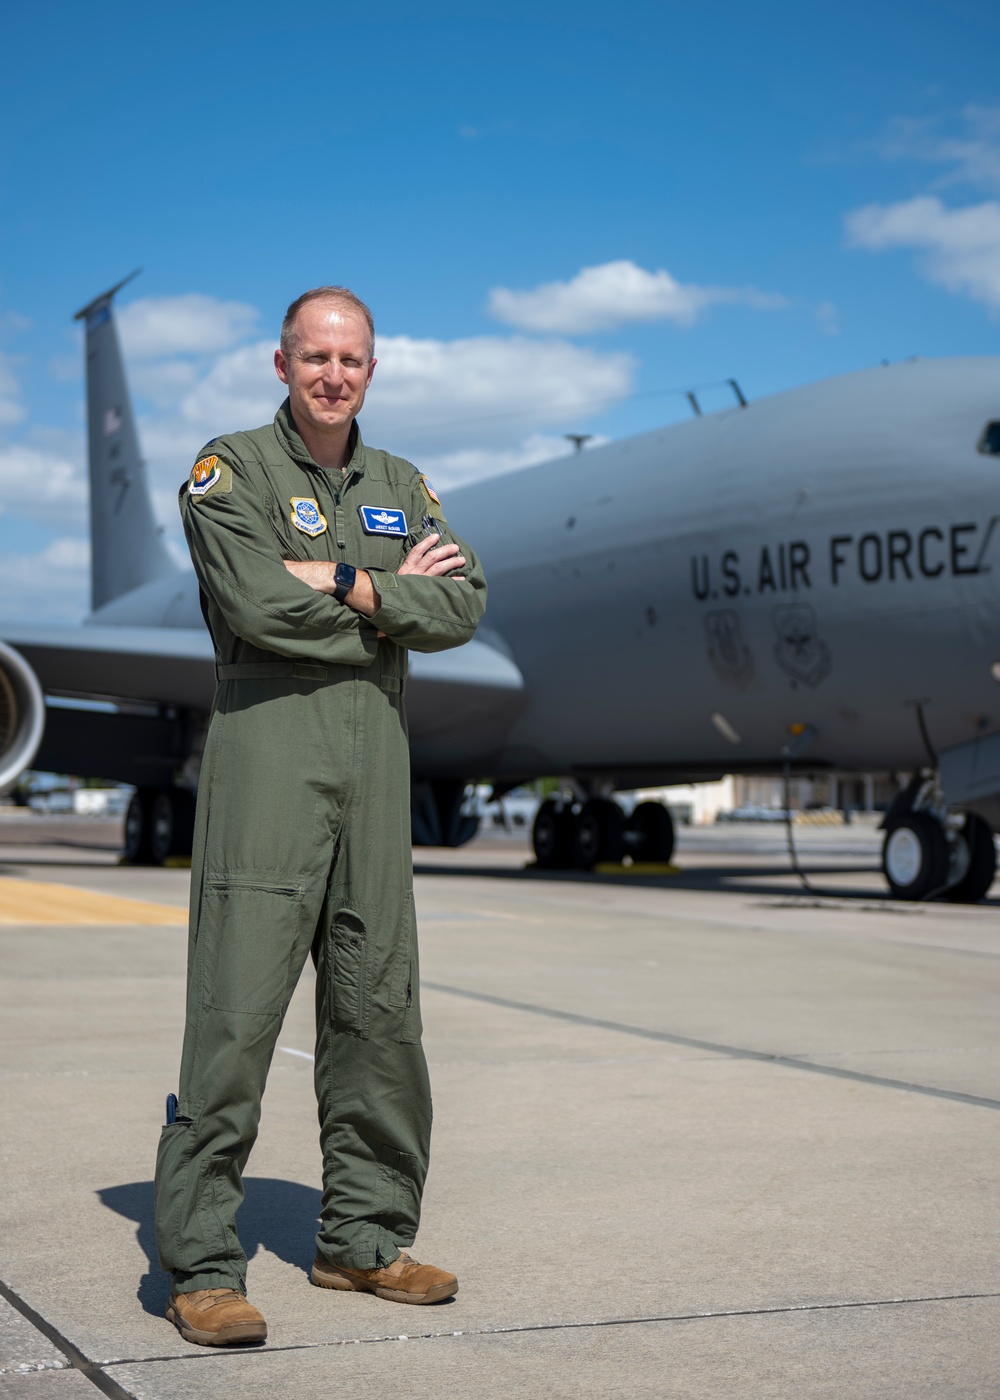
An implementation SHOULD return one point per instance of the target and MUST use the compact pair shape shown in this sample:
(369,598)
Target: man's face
(328,370)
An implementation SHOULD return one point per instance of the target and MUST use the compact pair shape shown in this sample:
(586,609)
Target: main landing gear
(159,824)
(578,836)
(929,853)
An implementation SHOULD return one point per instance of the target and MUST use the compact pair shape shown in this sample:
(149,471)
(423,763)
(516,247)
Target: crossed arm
(428,557)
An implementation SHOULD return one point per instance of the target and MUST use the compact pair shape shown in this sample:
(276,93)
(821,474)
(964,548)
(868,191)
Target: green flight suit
(302,843)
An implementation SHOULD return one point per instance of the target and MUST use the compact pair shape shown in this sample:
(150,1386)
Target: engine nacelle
(22,716)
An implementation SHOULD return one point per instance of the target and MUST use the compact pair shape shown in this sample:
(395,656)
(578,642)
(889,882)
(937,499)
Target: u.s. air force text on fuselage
(876,556)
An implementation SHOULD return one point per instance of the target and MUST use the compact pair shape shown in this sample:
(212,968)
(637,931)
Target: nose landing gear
(929,853)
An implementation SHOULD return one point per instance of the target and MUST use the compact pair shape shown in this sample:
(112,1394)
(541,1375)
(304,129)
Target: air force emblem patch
(306,515)
(383,520)
(205,474)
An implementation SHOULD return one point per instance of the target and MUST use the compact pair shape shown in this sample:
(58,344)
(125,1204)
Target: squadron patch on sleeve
(306,515)
(210,474)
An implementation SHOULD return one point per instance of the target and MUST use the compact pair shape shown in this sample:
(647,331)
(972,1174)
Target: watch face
(346,575)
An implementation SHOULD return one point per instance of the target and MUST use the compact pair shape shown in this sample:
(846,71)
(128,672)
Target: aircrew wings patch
(210,474)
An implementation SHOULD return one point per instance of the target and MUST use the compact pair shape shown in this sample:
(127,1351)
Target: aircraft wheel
(598,833)
(915,856)
(552,836)
(137,827)
(649,833)
(159,823)
(982,862)
(182,803)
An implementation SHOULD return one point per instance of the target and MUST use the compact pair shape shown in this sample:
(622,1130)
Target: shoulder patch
(210,473)
(431,496)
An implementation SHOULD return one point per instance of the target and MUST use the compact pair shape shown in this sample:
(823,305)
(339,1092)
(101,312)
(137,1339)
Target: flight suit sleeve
(431,614)
(237,556)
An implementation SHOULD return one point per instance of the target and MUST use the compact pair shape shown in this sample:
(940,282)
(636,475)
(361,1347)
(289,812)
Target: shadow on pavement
(280,1215)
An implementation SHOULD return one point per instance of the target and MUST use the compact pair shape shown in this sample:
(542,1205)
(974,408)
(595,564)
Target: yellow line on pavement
(32,902)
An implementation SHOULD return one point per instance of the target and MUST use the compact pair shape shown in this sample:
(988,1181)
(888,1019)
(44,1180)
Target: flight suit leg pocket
(350,977)
(404,989)
(174,1190)
(249,950)
(397,1192)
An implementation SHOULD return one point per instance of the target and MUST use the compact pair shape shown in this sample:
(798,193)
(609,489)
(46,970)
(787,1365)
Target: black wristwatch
(344,577)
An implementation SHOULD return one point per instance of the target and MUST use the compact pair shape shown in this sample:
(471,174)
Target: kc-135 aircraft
(806,583)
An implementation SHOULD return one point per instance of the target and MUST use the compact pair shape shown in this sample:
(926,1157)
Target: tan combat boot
(216,1317)
(402,1281)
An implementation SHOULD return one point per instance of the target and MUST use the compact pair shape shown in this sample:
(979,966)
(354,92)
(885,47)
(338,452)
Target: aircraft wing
(459,703)
(162,665)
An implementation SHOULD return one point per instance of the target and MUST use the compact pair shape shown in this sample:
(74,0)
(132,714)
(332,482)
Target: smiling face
(327,368)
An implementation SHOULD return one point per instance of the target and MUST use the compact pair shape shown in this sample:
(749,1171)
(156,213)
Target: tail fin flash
(127,544)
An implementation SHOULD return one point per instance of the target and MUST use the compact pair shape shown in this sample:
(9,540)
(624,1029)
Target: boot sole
(343,1283)
(236,1334)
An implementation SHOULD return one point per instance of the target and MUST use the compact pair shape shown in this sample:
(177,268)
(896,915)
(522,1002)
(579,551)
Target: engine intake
(22,716)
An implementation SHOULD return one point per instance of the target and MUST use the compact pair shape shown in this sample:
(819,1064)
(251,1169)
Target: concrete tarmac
(696,1136)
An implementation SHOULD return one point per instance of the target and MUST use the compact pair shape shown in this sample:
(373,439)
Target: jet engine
(22,716)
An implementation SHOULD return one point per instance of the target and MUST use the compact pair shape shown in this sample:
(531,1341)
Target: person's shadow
(280,1215)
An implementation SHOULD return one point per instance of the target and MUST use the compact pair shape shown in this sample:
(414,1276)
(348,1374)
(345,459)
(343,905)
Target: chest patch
(383,520)
(306,516)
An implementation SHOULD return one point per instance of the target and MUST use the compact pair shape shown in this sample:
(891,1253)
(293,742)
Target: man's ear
(371,370)
(281,365)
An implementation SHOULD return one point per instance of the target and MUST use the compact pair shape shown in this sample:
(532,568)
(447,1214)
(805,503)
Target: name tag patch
(306,515)
(383,520)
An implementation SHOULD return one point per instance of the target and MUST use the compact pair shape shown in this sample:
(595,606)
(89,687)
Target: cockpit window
(990,440)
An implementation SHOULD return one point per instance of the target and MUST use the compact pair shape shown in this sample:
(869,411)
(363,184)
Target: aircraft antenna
(740,399)
(693,401)
(578,439)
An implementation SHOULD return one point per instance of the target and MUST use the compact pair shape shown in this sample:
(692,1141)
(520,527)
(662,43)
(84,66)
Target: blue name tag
(383,520)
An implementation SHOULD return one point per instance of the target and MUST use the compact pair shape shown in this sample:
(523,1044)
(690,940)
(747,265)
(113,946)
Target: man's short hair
(341,296)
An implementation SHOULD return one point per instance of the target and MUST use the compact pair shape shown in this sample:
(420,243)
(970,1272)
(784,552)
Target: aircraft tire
(915,856)
(159,824)
(649,833)
(982,868)
(552,836)
(137,827)
(598,833)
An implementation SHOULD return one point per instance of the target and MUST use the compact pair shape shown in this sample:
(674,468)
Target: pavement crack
(734,1052)
(76,1359)
(645,1320)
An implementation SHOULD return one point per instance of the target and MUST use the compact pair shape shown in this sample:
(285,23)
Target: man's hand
(432,559)
(320,576)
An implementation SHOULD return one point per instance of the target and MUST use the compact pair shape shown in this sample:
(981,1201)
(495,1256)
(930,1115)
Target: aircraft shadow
(731,879)
(280,1215)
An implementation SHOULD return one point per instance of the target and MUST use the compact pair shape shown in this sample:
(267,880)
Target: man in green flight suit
(321,562)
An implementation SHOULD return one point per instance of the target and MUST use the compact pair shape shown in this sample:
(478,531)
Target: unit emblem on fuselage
(799,650)
(731,658)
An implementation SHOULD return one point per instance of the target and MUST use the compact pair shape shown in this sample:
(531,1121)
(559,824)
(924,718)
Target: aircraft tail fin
(127,544)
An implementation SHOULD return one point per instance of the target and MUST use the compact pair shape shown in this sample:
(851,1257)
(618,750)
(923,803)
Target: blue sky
(559,214)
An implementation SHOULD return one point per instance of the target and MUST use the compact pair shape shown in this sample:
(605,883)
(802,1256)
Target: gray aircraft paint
(823,558)
(128,548)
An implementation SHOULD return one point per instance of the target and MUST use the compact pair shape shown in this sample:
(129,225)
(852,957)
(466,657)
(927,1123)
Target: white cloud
(487,390)
(973,152)
(476,463)
(192,324)
(11,407)
(52,585)
(960,248)
(463,407)
(45,487)
(614,293)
